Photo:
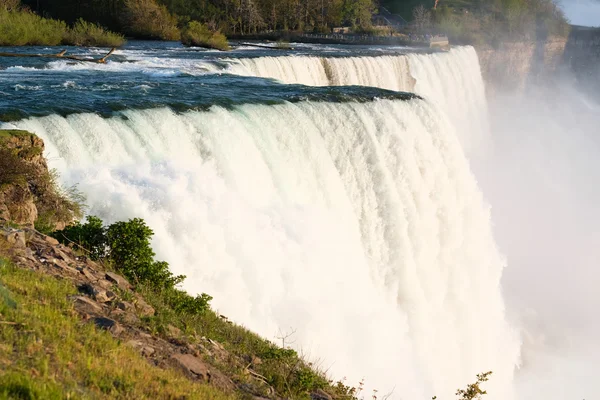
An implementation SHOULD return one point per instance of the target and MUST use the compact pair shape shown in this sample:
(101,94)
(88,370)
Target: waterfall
(450,79)
(360,225)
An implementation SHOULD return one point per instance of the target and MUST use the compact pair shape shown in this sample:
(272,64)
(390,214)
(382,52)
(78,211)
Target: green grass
(48,352)
(20,28)
(9,133)
(286,371)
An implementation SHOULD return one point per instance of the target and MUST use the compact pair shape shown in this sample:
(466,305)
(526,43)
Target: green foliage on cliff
(26,181)
(46,352)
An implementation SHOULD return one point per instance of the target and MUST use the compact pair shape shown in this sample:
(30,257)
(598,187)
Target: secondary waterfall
(360,225)
(451,79)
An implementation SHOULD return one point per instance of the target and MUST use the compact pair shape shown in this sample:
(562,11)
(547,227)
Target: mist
(541,179)
(582,12)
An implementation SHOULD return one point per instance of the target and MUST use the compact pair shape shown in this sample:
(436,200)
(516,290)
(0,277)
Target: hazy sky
(582,12)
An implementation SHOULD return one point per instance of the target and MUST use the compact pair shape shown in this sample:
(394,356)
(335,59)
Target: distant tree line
(163,19)
(493,21)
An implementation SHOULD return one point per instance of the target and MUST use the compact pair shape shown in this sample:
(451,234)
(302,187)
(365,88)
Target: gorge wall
(513,65)
(582,55)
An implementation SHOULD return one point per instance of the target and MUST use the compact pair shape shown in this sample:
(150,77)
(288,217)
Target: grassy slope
(48,352)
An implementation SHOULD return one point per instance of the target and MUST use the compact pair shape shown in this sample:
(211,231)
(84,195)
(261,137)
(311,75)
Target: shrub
(147,19)
(473,391)
(88,34)
(56,206)
(182,302)
(90,236)
(126,246)
(19,28)
(13,169)
(130,252)
(197,34)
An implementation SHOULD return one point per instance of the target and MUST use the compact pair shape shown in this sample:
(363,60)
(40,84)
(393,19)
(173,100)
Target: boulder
(87,305)
(125,305)
(108,324)
(143,308)
(320,394)
(14,237)
(192,366)
(173,331)
(118,280)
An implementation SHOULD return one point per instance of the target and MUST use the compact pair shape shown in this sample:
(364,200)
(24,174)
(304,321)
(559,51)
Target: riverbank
(349,39)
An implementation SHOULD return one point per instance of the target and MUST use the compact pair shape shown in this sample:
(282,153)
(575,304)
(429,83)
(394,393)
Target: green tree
(130,253)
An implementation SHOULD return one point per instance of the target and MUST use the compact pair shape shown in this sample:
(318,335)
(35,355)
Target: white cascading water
(360,225)
(451,79)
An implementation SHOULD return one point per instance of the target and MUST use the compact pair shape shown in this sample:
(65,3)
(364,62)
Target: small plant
(197,34)
(474,391)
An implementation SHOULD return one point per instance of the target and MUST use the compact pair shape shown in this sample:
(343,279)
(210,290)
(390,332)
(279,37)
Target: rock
(320,394)
(118,280)
(130,318)
(87,305)
(143,348)
(15,237)
(256,360)
(99,294)
(108,324)
(86,272)
(192,366)
(50,240)
(63,266)
(143,308)
(125,306)
(222,381)
(173,331)
(17,204)
(104,284)
(104,296)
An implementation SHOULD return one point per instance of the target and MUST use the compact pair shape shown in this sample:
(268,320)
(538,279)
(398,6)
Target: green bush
(150,20)
(126,246)
(87,34)
(90,236)
(130,252)
(19,28)
(197,34)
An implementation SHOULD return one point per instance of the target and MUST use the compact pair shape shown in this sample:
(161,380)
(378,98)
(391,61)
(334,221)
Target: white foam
(359,225)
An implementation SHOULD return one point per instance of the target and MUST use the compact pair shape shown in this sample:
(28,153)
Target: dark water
(153,74)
